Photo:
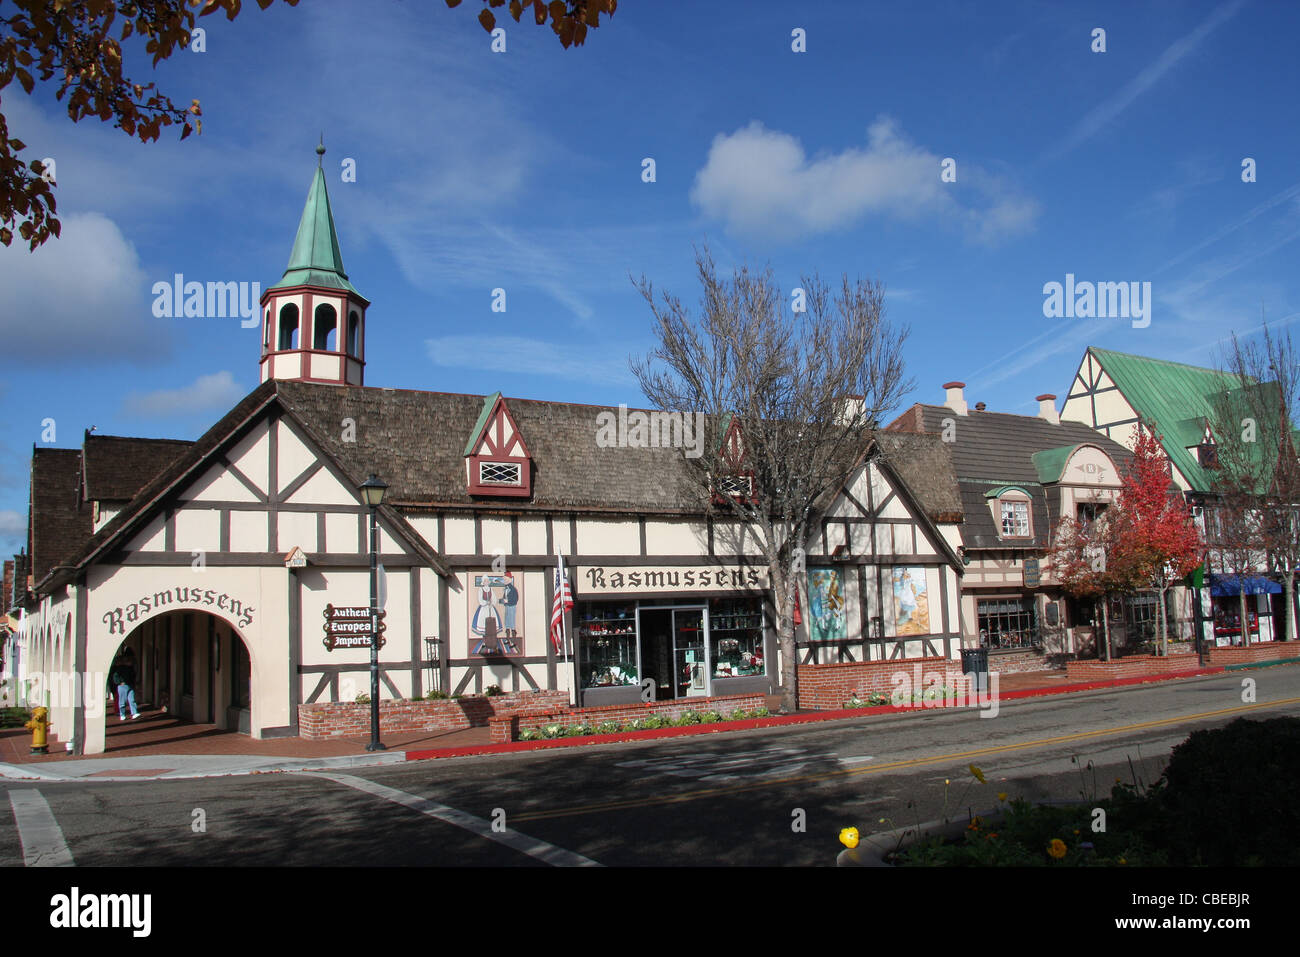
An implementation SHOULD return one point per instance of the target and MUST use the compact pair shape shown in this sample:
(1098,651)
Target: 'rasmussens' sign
(233,608)
(600,579)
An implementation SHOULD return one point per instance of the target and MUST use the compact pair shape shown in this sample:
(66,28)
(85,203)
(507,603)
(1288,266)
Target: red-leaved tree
(1155,538)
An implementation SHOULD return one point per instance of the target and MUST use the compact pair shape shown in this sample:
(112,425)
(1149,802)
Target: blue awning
(1221,585)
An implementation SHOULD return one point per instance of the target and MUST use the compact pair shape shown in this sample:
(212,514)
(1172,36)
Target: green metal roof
(1003,489)
(1172,396)
(316,260)
(488,405)
(1050,463)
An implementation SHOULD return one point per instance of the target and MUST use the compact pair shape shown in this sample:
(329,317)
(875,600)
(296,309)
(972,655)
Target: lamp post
(372,491)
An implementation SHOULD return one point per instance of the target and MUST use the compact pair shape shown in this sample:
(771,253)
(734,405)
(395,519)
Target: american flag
(563,602)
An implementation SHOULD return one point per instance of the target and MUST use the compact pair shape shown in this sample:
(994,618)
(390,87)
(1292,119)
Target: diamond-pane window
(499,473)
(736,486)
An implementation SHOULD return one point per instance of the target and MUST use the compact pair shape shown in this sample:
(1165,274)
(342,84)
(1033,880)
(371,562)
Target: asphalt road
(737,798)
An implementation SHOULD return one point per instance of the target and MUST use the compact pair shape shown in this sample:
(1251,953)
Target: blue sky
(522,170)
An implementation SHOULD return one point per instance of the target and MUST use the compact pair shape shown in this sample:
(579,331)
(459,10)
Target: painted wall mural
(496,614)
(827,618)
(911,602)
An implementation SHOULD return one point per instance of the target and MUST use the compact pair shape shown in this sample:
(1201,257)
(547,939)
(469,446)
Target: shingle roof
(993,449)
(117,467)
(415,442)
(59,522)
(1169,394)
(924,462)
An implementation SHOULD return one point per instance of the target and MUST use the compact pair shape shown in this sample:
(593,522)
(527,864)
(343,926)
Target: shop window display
(736,629)
(607,642)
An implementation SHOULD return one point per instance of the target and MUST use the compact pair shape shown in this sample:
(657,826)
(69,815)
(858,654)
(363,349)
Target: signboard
(659,579)
(1031,572)
(349,627)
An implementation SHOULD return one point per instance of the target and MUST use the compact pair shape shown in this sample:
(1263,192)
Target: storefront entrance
(674,651)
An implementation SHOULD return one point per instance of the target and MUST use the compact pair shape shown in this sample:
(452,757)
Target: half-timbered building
(220,561)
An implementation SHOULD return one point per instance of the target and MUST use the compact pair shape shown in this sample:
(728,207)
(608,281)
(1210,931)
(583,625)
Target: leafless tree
(805,381)
(1257,475)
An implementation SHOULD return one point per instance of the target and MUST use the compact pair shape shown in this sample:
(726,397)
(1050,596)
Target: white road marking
(533,847)
(860,759)
(730,766)
(38,832)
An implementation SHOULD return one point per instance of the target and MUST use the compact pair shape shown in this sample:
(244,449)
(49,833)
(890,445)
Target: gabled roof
(59,523)
(1172,396)
(993,450)
(117,466)
(315,259)
(924,463)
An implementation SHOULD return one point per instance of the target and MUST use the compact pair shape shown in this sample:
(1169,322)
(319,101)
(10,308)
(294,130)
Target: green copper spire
(316,260)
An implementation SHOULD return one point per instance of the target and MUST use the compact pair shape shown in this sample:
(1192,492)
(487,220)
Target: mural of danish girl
(495,606)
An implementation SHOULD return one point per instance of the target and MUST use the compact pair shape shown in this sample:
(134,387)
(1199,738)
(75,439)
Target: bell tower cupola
(313,320)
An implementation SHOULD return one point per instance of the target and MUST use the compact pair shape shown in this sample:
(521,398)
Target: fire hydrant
(39,727)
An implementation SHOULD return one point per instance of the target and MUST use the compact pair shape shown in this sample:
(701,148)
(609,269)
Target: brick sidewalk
(159,733)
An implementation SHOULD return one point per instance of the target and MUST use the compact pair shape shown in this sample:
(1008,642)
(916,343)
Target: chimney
(954,399)
(1047,408)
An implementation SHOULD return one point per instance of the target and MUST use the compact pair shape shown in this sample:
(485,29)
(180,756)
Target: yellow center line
(956,756)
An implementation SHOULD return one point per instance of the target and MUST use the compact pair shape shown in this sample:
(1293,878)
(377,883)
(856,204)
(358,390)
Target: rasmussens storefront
(689,631)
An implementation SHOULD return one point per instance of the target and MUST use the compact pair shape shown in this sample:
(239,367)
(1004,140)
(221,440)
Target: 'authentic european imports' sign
(605,579)
(1031,573)
(348,626)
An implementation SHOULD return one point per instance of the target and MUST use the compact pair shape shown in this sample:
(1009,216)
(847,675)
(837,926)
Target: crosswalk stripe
(40,835)
(533,847)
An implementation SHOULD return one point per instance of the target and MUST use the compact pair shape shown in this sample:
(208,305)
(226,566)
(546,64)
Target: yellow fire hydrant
(40,728)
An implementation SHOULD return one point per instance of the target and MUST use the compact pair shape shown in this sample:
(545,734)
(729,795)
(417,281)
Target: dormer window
(1011,511)
(1015,519)
(735,480)
(497,461)
(499,473)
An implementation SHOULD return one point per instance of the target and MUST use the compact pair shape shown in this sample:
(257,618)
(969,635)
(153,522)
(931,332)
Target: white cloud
(761,182)
(81,296)
(501,354)
(216,392)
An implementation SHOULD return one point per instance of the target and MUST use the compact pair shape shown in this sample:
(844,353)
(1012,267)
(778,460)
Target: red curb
(782,719)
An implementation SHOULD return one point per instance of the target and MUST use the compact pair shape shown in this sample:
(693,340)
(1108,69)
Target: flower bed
(538,724)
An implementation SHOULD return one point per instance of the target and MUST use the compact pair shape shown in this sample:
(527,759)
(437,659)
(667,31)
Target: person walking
(124,677)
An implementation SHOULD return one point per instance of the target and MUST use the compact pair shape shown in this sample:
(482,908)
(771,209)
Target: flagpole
(564,616)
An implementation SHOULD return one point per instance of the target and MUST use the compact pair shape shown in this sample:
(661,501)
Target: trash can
(975,662)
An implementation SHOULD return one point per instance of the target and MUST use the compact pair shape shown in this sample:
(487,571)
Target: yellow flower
(979,775)
(1056,848)
(1002,795)
(849,837)
(1123,861)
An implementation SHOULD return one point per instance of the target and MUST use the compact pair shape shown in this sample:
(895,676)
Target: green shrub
(437,696)
(531,734)
(14,717)
(608,727)
(492,690)
(759,713)
(709,717)
(1229,795)
(687,717)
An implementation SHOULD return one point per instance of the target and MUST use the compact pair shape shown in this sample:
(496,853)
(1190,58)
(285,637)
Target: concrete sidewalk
(161,747)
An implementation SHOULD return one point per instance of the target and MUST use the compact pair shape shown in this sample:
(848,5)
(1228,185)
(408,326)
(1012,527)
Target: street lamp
(372,491)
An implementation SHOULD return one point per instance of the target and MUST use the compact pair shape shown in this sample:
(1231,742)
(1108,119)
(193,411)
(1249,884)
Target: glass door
(690,652)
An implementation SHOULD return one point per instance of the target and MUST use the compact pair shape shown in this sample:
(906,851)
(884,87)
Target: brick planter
(1134,666)
(349,719)
(827,687)
(1253,654)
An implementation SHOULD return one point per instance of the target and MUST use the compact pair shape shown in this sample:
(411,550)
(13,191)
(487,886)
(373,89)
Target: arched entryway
(192,666)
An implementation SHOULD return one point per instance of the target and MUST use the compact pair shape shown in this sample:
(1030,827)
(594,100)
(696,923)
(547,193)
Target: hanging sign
(349,627)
